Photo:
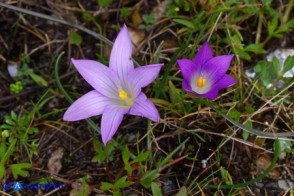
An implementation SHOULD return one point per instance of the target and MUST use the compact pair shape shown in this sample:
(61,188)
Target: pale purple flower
(205,75)
(117,88)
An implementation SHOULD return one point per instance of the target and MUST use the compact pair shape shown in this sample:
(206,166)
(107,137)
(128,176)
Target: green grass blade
(255,180)
(253,131)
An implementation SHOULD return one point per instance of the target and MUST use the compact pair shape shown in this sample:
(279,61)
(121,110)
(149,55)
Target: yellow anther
(130,103)
(200,82)
(122,94)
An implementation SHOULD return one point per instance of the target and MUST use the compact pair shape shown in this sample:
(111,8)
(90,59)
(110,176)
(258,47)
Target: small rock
(286,185)
(250,73)
(263,162)
(12,70)
(54,164)
(160,10)
(132,137)
(204,163)
(282,55)
(168,186)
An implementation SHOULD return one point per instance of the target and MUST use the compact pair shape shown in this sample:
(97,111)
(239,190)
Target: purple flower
(117,89)
(206,75)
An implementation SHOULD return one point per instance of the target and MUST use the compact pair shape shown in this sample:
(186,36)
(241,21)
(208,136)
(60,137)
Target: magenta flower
(206,75)
(117,89)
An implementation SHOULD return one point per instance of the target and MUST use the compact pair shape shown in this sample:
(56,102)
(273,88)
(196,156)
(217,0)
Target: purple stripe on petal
(111,119)
(203,55)
(188,68)
(121,54)
(216,67)
(144,107)
(143,76)
(90,104)
(98,76)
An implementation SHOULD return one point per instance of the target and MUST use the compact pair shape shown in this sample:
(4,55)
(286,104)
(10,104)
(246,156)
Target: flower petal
(144,107)
(215,68)
(225,82)
(186,86)
(143,76)
(121,54)
(90,104)
(188,68)
(203,55)
(98,76)
(111,119)
(212,94)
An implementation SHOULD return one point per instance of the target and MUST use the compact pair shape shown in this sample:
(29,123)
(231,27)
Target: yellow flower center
(201,82)
(122,94)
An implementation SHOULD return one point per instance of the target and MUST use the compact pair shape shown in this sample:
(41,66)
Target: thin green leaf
(38,79)
(169,157)
(9,151)
(255,48)
(175,96)
(6,126)
(288,65)
(105,186)
(285,146)
(148,177)
(272,25)
(184,22)
(13,115)
(104,3)
(2,170)
(75,38)
(122,183)
(126,154)
(226,175)
(276,66)
(246,134)
(155,189)
(243,54)
(148,19)
(268,73)
(182,191)
(234,114)
(259,66)
(2,147)
(142,156)
(167,69)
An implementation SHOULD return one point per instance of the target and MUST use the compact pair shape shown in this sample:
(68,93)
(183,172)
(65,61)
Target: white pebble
(12,70)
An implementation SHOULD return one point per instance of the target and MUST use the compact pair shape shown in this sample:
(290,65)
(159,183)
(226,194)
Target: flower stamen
(122,94)
(201,82)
